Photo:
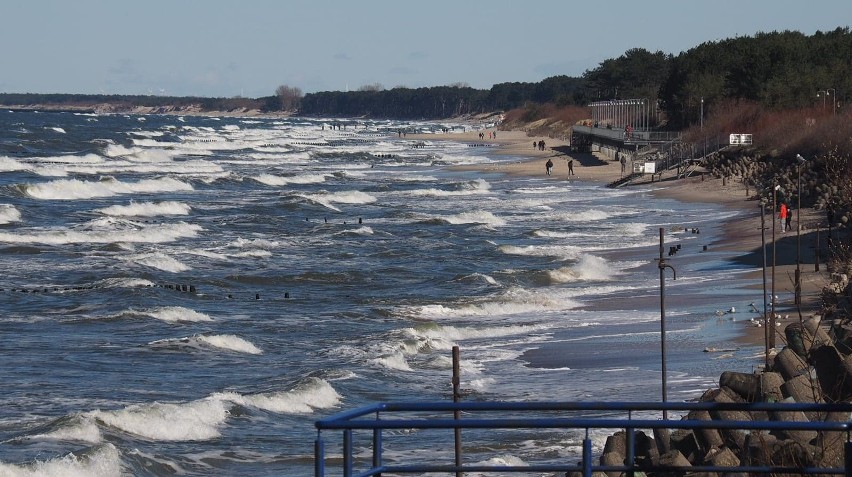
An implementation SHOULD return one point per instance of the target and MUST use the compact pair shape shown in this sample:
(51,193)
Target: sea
(187,295)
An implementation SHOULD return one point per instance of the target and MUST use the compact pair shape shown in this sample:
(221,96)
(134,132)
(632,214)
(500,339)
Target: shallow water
(331,269)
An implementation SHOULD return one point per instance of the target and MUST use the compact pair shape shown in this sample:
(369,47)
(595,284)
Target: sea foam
(159,233)
(474,217)
(71,189)
(589,267)
(9,214)
(206,342)
(305,398)
(192,421)
(176,314)
(146,209)
(102,461)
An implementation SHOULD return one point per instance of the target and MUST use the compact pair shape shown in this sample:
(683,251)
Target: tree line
(778,70)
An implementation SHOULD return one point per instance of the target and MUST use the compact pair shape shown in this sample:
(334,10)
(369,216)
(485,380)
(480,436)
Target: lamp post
(823,93)
(771,324)
(833,99)
(702,113)
(798,284)
(661,263)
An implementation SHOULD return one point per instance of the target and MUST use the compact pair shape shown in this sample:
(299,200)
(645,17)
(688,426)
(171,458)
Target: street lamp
(771,323)
(822,93)
(702,113)
(833,99)
(798,284)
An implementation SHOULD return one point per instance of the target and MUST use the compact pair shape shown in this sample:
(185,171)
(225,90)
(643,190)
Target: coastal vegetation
(776,70)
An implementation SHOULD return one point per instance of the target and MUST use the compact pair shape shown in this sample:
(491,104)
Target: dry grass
(810,132)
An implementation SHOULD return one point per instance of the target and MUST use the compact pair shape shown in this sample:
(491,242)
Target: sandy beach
(741,236)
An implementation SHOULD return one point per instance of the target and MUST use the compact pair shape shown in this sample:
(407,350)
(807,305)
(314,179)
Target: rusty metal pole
(766,330)
(456,412)
(771,323)
(662,436)
(816,252)
(663,318)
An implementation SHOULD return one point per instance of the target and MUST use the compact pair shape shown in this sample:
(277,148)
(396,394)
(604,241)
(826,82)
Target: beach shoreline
(740,235)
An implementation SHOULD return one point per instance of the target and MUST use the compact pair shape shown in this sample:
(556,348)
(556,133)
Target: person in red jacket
(783,216)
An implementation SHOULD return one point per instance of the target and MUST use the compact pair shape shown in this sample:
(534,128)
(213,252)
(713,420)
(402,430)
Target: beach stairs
(624,180)
(811,369)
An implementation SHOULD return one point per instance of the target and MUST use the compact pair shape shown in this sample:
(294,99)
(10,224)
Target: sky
(227,48)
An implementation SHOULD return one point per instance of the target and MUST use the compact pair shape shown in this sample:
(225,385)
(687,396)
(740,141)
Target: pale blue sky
(227,48)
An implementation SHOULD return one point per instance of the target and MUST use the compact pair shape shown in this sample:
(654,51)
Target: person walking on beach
(570,167)
(788,220)
(623,161)
(549,166)
(783,214)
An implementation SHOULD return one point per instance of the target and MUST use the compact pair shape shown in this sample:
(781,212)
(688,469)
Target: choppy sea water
(188,295)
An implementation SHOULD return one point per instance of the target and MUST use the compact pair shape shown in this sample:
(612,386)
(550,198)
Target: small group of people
(538,145)
(491,135)
(548,167)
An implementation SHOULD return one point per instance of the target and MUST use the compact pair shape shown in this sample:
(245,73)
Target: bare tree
(289,96)
(372,87)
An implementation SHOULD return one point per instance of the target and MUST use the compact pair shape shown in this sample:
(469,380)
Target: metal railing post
(377,446)
(347,453)
(319,456)
(587,456)
(457,413)
(847,458)
(630,448)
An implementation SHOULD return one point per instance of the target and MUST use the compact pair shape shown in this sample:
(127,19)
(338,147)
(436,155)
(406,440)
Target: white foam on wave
(442,338)
(174,314)
(157,233)
(345,197)
(475,217)
(305,398)
(358,231)
(57,129)
(481,276)
(72,189)
(559,234)
(564,252)
(273,180)
(104,461)
(589,267)
(519,302)
(146,209)
(71,159)
(230,343)
(83,430)
(205,342)
(138,154)
(160,261)
(193,421)
(479,186)
(7,164)
(121,282)
(632,229)
(395,361)
(9,214)
(254,243)
(590,215)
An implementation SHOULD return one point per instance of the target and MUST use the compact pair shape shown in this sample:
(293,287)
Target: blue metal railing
(383,417)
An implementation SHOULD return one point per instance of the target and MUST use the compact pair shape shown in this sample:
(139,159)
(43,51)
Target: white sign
(650,167)
(740,139)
